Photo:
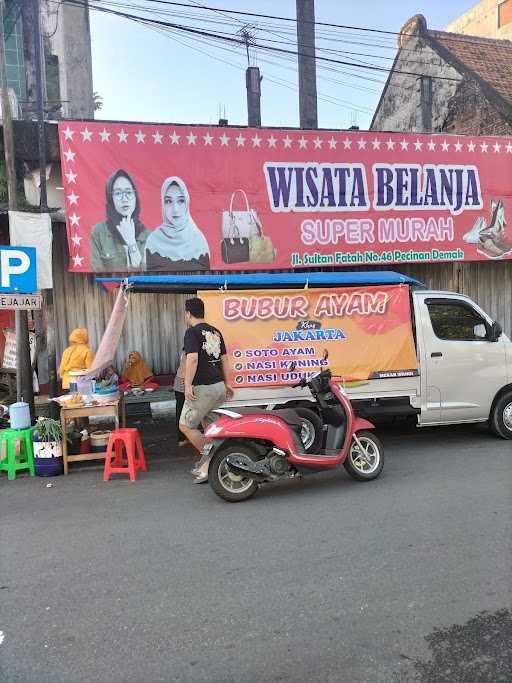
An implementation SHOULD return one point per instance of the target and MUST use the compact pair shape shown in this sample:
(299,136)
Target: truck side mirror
(495,332)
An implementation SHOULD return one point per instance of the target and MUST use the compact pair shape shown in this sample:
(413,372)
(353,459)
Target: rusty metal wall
(155,323)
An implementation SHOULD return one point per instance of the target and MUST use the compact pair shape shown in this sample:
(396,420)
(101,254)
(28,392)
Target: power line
(231,39)
(322,96)
(366,29)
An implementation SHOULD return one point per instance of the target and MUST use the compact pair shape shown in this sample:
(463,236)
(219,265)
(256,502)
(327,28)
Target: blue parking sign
(18,270)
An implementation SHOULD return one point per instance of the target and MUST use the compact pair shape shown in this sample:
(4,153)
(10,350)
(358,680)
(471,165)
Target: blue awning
(192,283)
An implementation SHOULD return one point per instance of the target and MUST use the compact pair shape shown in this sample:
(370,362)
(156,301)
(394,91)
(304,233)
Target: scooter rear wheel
(365,459)
(230,486)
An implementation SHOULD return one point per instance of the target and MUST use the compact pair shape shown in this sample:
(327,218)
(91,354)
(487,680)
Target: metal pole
(48,310)
(307,63)
(40,80)
(24,388)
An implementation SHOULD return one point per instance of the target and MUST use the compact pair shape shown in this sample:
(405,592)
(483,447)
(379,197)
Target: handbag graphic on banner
(235,249)
(244,223)
(243,240)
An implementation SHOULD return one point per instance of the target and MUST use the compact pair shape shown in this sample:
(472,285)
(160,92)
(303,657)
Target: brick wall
(469,113)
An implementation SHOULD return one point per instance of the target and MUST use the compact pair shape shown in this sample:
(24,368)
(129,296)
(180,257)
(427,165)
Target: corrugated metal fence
(155,323)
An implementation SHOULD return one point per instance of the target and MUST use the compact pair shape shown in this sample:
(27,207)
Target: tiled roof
(490,60)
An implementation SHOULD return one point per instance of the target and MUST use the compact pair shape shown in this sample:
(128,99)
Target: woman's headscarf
(79,336)
(184,242)
(138,372)
(113,217)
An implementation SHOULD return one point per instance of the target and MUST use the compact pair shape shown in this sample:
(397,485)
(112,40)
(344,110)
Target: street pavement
(407,578)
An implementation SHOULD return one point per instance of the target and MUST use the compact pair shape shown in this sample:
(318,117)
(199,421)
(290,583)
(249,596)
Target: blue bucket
(19,414)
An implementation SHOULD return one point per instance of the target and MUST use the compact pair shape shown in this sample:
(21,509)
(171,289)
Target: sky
(164,76)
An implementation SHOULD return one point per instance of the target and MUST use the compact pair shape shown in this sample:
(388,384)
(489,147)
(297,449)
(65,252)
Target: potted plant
(47,440)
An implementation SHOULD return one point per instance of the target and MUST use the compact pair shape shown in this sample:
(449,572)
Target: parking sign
(18,270)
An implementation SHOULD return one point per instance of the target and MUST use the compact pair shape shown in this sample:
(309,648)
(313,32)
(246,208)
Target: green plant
(97,100)
(49,429)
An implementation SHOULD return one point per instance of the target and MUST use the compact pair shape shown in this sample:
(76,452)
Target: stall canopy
(185,284)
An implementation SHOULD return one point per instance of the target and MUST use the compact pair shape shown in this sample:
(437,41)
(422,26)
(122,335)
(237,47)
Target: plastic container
(106,391)
(99,441)
(19,414)
(74,440)
(85,441)
(85,386)
(73,380)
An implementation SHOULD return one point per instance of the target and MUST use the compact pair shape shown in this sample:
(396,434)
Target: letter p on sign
(18,270)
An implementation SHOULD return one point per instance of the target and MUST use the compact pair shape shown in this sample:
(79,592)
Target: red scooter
(251,446)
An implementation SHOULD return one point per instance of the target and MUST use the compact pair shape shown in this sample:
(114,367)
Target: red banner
(186,198)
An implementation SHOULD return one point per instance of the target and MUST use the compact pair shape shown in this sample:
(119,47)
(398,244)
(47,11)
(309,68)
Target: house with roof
(447,82)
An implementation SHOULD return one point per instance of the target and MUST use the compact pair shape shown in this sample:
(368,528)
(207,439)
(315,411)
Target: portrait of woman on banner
(119,243)
(177,244)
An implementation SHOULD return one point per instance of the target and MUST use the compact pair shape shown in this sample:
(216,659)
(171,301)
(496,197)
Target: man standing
(206,378)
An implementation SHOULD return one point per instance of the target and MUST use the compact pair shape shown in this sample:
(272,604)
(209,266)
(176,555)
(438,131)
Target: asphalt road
(407,578)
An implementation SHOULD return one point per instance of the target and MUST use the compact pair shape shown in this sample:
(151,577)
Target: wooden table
(67,414)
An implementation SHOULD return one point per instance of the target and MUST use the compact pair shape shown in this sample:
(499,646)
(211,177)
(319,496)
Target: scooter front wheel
(365,458)
(230,486)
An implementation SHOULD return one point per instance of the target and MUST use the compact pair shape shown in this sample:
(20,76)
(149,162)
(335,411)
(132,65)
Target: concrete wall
(458,106)
(71,42)
(398,109)
(481,20)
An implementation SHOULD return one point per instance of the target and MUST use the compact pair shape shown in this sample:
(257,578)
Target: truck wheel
(501,417)
(312,430)
(230,486)
(365,463)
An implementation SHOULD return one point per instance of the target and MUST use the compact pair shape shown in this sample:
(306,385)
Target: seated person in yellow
(136,373)
(77,356)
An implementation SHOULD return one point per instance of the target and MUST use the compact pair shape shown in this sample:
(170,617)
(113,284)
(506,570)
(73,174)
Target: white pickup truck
(465,372)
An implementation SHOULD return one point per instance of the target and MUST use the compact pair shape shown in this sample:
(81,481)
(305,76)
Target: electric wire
(233,40)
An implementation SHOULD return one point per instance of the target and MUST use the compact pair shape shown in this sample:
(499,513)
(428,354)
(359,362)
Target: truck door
(461,363)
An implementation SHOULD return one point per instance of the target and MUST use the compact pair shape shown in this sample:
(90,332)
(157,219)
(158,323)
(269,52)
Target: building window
(504,13)
(15,64)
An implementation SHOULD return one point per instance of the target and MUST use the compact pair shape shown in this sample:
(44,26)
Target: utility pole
(24,386)
(307,63)
(48,311)
(252,81)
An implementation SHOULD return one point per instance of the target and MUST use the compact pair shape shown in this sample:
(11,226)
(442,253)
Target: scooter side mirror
(293,366)
(325,354)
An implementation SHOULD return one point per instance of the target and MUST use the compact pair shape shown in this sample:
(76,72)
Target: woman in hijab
(119,242)
(77,356)
(177,244)
(136,373)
